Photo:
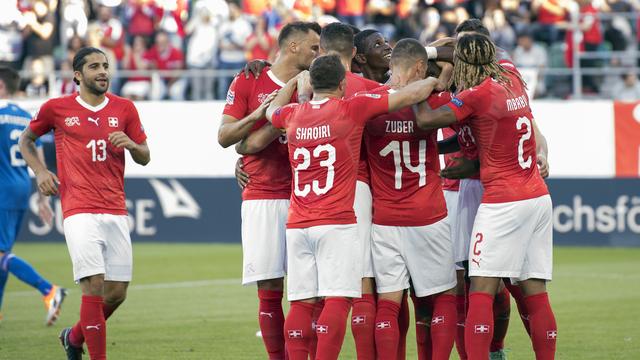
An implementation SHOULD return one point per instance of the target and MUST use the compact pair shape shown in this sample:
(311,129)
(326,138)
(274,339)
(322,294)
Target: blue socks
(25,272)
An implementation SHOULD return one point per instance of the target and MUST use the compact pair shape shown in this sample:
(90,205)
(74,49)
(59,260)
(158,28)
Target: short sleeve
(237,98)
(365,106)
(463,104)
(44,120)
(133,127)
(281,116)
(439,99)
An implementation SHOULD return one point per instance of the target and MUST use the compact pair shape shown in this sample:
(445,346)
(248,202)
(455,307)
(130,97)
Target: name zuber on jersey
(399,127)
(517,103)
(313,133)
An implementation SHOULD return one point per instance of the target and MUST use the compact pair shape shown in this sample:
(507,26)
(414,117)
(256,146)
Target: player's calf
(544,330)
(443,324)
(363,317)
(387,332)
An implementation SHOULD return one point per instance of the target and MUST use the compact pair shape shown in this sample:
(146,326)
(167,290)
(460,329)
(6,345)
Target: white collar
(273,78)
(90,107)
(318,102)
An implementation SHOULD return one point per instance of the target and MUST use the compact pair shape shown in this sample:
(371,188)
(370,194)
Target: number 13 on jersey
(98,149)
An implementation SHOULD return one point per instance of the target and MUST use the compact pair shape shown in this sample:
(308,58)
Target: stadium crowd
(40,36)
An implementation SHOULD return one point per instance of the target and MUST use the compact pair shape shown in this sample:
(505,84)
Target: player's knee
(93,285)
(271,284)
(115,298)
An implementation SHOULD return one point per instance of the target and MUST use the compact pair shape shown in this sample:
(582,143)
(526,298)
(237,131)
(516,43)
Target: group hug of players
(342,192)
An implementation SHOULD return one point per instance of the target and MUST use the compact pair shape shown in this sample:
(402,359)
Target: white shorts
(469,198)
(99,244)
(513,240)
(264,248)
(423,254)
(363,209)
(324,260)
(451,199)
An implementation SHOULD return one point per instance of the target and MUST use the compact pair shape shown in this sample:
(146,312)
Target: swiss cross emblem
(322,329)
(72,121)
(481,329)
(295,334)
(358,320)
(552,334)
(437,320)
(383,325)
(113,122)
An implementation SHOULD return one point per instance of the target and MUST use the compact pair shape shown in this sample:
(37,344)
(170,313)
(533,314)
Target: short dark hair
(10,78)
(297,27)
(408,51)
(474,25)
(81,58)
(360,38)
(326,73)
(355,29)
(337,37)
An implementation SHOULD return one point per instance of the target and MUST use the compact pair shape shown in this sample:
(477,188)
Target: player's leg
(302,291)
(364,308)
(423,310)
(461,310)
(479,323)
(536,271)
(404,320)
(264,262)
(501,314)
(387,331)
(516,292)
(339,259)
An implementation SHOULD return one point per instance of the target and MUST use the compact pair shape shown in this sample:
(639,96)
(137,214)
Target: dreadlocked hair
(475,60)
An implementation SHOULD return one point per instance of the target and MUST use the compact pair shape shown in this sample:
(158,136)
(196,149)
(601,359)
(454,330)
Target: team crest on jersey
(373,96)
(113,122)
(262,97)
(457,102)
(72,121)
(231,96)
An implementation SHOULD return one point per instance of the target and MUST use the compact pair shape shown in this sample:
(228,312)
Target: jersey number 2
(16,158)
(420,169)
(98,149)
(523,121)
(306,161)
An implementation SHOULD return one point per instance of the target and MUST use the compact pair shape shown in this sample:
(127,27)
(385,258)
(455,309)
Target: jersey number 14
(403,154)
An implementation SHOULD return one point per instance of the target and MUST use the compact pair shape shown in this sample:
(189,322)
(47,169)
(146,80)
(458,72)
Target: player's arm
(463,169)
(542,150)
(44,206)
(284,95)
(258,140)
(139,152)
(233,130)
(47,181)
(413,93)
(428,118)
(448,145)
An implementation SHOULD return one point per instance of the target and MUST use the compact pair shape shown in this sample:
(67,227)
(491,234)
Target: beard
(94,88)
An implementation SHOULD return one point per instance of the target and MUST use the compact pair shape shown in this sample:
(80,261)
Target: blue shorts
(10,221)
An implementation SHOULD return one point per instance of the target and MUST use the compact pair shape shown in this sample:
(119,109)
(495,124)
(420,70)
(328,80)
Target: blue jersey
(14,177)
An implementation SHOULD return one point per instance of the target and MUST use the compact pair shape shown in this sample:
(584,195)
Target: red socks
(443,326)
(76,337)
(331,327)
(501,313)
(313,340)
(543,326)
(403,325)
(297,329)
(387,331)
(423,308)
(478,330)
(461,310)
(271,319)
(363,317)
(94,327)
(520,302)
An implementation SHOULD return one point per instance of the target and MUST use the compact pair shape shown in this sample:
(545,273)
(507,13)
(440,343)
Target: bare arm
(542,151)
(428,118)
(283,97)
(448,145)
(46,180)
(258,140)
(232,130)
(413,93)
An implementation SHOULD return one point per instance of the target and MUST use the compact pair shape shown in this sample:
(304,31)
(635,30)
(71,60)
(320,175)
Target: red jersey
(501,124)
(546,16)
(324,139)
(357,84)
(90,169)
(405,166)
(269,169)
(450,184)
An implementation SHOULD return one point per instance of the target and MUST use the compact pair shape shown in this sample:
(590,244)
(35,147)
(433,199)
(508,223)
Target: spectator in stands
(628,88)
(202,49)
(260,44)
(171,15)
(11,21)
(382,16)
(73,45)
(38,86)
(73,20)
(163,56)
(591,39)
(529,55)
(137,87)
(38,36)
(618,30)
(517,14)
(140,15)
(112,32)
(501,31)
(430,21)
(64,83)
(551,19)
(233,35)
(255,7)
(351,12)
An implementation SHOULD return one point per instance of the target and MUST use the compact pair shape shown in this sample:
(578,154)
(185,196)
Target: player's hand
(44,210)
(463,169)
(304,85)
(120,139)
(543,166)
(241,176)
(47,183)
(437,84)
(261,111)
(254,67)
(445,41)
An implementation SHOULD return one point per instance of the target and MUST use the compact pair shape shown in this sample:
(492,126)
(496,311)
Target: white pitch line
(171,285)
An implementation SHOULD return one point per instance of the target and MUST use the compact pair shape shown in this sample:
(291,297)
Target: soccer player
(266,196)
(324,253)
(92,130)
(14,199)
(512,232)
(411,234)
(372,55)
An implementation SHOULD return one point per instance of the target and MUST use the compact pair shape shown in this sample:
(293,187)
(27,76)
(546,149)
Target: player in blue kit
(14,198)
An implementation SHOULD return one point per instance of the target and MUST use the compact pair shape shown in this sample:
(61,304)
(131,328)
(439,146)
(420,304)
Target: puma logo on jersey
(95,121)
(95,327)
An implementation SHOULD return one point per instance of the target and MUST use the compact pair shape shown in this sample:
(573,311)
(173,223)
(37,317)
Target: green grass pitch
(186,302)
